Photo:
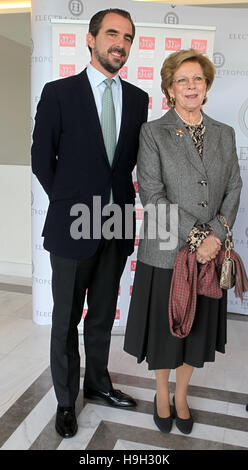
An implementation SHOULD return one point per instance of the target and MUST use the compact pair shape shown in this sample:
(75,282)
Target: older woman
(189,159)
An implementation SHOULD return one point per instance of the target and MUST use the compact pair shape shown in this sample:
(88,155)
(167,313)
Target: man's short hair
(96,20)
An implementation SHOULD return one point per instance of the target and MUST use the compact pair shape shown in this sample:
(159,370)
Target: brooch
(179,132)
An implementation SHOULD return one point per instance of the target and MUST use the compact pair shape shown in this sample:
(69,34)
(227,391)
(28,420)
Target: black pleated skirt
(148,333)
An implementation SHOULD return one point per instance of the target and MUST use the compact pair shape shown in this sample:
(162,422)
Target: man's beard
(106,64)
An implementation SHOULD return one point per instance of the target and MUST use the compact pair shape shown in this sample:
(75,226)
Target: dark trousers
(100,274)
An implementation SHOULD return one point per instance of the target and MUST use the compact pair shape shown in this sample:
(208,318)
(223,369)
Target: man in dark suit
(72,159)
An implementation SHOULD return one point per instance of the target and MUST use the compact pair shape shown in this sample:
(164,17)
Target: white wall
(15,225)
(15,138)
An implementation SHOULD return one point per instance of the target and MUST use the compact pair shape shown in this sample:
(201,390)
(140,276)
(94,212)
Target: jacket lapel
(210,141)
(88,104)
(183,141)
(124,121)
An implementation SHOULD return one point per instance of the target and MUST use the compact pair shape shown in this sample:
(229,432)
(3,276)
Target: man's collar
(96,77)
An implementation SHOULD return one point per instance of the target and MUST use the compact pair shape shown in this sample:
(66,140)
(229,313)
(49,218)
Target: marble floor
(217,395)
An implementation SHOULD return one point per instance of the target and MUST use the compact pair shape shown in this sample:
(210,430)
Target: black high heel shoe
(163,424)
(184,425)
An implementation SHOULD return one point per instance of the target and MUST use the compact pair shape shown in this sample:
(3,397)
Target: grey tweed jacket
(170,171)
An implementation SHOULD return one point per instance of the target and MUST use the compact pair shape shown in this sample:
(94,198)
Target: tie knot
(108,82)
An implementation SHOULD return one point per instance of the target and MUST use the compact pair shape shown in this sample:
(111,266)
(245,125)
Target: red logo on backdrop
(150,102)
(145,73)
(133,265)
(139,213)
(135,183)
(172,44)
(119,291)
(123,72)
(130,290)
(117,314)
(199,44)
(136,241)
(85,310)
(67,40)
(66,70)
(165,104)
(147,43)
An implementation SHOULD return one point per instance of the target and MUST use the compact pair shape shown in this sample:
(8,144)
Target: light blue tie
(108,123)
(108,120)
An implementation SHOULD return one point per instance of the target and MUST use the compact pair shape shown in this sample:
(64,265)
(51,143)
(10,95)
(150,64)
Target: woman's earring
(172,102)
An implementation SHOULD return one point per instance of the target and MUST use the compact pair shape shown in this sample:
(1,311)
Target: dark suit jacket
(70,160)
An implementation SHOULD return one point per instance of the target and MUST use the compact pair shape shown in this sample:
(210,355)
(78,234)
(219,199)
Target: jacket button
(203,182)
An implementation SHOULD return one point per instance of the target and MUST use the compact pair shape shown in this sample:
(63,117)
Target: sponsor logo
(136,241)
(147,43)
(200,45)
(66,70)
(145,73)
(130,290)
(76,7)
(243,118)
(150,102)
(123,72)
(139,213)
(117,314)
(85,310)
(240,36)
(133,265)
(67,40)
(218,59)
(135,183)
(243,154)
(172,44)
(171,18)
(165,106)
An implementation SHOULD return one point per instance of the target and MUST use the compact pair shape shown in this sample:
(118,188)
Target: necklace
(189,123)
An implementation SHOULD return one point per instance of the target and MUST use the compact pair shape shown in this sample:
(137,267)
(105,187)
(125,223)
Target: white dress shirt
(96,80)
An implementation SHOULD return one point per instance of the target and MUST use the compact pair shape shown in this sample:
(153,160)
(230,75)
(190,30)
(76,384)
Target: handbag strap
(229,245)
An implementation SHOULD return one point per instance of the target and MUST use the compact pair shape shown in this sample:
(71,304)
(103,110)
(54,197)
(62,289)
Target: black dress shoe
(66,422)
(184,425)
(163,424)
(113,397)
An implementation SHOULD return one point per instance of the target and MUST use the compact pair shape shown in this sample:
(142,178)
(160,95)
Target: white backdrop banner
(65,53)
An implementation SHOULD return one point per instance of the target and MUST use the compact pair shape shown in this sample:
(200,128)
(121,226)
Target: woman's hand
(208,249)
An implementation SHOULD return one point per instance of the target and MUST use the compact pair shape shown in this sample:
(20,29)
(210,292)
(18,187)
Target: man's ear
(90,40)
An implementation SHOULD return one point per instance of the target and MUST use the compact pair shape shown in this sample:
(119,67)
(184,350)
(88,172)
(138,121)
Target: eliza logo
(165,106)
(199,45)
(145,73)
(66,70)
(147,43)
(123,72)
(67,40)
(172,44)
(135,183)
(133,265)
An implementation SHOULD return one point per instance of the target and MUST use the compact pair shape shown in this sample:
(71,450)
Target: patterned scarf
(196,133)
